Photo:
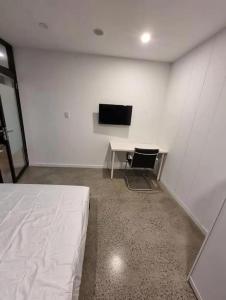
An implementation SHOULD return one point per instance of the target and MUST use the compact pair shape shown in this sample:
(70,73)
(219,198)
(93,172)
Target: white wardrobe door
(208,276)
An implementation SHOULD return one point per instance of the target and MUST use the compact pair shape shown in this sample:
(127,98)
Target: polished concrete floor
(139,245)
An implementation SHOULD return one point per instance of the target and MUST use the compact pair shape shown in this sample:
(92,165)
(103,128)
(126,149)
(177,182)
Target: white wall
(208,274)
(52,83)
(194,130)
(189,120)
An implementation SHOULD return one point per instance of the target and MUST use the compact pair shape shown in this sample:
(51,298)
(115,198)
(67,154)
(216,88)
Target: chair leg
(145,176)
(135,189)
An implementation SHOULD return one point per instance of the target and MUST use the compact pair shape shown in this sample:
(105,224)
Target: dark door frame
(11,72)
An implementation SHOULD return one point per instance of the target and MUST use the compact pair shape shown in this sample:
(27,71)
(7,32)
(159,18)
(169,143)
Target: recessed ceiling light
(2,54)
(43,25)
(145,37)
(98,31)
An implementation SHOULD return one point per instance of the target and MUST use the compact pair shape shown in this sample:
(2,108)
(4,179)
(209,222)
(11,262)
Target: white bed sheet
(42,241)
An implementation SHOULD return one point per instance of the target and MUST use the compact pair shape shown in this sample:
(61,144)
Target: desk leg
(161,166)
(112,164)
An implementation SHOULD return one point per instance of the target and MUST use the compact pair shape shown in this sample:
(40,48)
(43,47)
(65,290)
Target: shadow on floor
(88,283)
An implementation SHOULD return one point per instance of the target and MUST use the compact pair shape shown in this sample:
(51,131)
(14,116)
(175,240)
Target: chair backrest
(144,158)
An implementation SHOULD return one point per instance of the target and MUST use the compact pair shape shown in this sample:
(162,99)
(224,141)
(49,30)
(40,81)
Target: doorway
(13,151)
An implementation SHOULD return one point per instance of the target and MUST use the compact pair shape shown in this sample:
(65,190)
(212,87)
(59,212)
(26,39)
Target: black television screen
(115,114)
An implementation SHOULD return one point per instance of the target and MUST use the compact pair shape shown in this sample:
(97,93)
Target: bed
(42,241)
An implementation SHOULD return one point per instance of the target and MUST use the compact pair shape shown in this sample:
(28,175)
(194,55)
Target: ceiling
(176,25)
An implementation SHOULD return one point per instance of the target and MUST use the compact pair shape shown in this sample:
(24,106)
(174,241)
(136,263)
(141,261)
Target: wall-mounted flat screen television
(115,114)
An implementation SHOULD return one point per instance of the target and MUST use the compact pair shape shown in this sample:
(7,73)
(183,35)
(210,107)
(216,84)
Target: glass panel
(13,129)
(5,172)
(4,165)
(3,57)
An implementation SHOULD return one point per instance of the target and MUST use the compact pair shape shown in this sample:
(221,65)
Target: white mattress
(42,241)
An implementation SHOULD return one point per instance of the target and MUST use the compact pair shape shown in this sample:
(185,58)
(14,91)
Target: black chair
(141,159)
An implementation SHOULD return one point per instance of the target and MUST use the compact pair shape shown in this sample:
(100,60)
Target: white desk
(129,147)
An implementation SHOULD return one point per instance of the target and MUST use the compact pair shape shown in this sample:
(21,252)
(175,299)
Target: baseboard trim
(185,208)
(193,286)
(59,165)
